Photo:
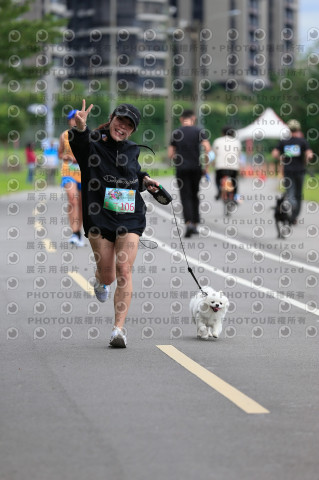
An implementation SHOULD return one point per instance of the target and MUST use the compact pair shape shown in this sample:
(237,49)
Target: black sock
(78,234)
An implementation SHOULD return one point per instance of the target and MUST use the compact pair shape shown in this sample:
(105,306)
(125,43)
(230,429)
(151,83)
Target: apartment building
(124,40)
(154,45)
(242,42)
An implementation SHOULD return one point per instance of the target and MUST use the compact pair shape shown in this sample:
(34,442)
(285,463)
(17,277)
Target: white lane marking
(242,401)
(241,281)
(245,246)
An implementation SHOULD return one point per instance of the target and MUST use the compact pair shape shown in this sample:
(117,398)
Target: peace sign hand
(81,116)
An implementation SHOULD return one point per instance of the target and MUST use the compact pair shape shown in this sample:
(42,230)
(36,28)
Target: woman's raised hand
(81,115)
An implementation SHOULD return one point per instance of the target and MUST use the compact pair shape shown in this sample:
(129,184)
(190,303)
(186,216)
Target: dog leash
(163,197)
(188,267)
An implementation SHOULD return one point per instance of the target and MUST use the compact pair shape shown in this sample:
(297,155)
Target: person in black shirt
(112,206)
(185,150)
(294,154)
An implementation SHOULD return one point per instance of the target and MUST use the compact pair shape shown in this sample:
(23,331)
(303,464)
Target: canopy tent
(268,125)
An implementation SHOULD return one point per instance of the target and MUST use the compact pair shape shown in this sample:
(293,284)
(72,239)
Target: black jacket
(187,141)
(107,163)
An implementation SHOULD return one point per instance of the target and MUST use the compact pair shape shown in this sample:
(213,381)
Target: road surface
(169,406)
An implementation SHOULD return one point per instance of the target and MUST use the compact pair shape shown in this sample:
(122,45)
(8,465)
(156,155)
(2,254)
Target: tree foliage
(295,95)
(23,41)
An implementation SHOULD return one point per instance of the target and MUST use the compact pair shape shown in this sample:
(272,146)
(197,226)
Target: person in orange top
(71,181)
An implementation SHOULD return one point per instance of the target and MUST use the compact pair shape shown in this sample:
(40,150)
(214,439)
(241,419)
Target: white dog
(208,312)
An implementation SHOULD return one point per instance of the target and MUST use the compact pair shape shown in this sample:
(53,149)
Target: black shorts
(111,235)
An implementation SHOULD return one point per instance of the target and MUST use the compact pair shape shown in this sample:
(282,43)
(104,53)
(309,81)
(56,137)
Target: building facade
(152,46)
(124,41)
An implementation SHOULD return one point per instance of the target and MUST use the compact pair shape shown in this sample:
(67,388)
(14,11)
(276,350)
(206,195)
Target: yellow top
(69,168)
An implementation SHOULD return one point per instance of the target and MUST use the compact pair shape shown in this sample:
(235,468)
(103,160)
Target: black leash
(188,267)
(163,197)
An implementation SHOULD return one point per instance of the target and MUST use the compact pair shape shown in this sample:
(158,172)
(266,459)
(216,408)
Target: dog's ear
(226,301)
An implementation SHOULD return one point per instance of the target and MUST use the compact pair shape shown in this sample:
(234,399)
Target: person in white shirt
(227,150)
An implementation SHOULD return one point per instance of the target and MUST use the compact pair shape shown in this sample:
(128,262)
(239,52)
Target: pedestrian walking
(189,148)
(71,182)
(294,155)
(227,150)
(51,163)
(31,161)
(112,205)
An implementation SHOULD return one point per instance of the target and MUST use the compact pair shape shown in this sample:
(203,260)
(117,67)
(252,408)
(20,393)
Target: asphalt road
(72,408)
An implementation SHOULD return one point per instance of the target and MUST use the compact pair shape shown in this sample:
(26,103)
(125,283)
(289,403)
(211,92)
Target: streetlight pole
(113,51)
(49,123)
(195,43)
(169,77)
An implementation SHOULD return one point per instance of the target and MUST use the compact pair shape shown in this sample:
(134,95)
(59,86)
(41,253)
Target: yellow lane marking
(80,280)
(38,225)
(231,393)
(47,242)
(48,245)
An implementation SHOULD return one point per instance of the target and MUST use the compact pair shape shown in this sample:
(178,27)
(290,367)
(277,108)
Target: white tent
(268,125)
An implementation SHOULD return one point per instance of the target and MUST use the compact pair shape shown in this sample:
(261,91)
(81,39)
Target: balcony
(58,9)
(151,17)
(163,2)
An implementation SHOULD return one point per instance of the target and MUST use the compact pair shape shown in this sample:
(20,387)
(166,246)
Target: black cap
(128,110)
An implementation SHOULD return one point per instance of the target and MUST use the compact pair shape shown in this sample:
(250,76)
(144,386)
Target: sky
(308,21)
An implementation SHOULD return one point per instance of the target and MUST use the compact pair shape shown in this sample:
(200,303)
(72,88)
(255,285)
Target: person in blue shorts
(71,182)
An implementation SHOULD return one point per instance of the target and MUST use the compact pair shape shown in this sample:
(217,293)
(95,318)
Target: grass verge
(16,180)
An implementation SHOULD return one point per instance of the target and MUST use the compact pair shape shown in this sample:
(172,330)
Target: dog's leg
(202,331)
(278,229)
(217,328)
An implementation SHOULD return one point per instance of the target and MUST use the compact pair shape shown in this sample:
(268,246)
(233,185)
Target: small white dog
(208,312)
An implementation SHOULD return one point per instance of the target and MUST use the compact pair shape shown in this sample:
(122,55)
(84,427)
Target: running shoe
(118,339)
(189,231)
(75,240)
(101,291)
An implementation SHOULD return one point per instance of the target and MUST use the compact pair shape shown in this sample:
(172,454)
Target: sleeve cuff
(141,183)
(78,130)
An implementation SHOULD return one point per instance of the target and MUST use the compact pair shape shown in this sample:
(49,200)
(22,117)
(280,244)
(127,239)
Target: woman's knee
(123,274)
(106,275)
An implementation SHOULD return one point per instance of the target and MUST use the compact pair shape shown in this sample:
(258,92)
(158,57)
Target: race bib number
(121,200)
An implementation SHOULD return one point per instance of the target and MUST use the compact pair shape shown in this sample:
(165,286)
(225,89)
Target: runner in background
(189,148)
(227,149)
(294,155)
(71,182)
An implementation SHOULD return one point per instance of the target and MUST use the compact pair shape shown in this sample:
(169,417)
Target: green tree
(295,95)
(14,115)
(23,41)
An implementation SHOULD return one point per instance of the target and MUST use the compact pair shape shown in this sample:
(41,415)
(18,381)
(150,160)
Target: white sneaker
(75,240)
(118,339)
(101,291)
